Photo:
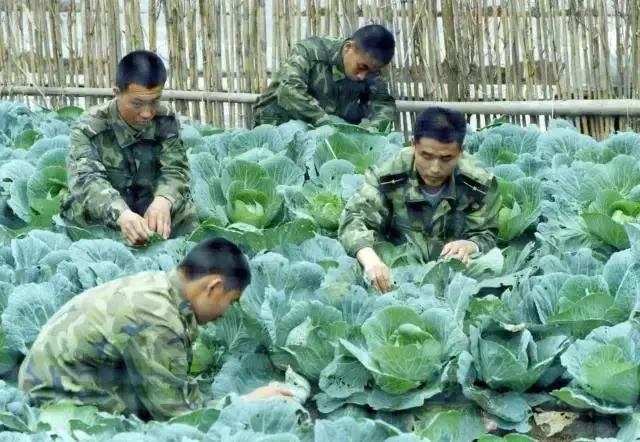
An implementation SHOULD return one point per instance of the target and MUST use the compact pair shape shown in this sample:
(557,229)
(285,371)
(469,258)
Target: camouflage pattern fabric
(112,167)
(311,85)
(124,347)
(390,207)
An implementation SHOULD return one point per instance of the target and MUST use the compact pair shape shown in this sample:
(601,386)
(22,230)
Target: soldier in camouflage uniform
(127,166)
(431,197)
(126,346)
(329,76)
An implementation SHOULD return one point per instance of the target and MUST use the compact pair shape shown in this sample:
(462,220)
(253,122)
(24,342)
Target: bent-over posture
(126,346)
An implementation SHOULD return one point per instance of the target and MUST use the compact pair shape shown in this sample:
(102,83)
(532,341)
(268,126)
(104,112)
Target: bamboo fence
(447,50)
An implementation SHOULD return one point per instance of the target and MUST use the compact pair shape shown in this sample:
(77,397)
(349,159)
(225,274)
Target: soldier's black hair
(141,67)
(440,124)
(217,256)
(377,41)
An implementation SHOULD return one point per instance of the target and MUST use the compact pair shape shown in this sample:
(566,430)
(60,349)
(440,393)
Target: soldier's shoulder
(320,48)
(167,121)
(94,120)
(395,170)
(165,110)
(474,174)
(154,282)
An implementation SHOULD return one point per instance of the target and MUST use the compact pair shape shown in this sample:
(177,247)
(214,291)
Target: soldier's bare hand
(460,249)
(268,392)
(158,216)
(376,270)
(133,227)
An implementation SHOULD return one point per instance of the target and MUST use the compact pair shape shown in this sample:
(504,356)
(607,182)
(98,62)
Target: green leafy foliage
(451,353)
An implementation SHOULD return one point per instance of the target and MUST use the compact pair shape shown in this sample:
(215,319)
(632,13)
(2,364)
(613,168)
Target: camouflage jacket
(112,167)
(124,347)
(390,207)
(311,85)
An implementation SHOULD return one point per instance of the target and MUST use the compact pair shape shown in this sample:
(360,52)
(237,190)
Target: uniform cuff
(164,192)
(478,243)
(117,208)
(356,246)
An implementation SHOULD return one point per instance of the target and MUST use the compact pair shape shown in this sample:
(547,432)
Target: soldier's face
(435,161)
(138,105)
(357,64)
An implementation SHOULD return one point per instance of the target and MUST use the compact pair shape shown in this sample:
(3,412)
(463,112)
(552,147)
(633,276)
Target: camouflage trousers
(184,220)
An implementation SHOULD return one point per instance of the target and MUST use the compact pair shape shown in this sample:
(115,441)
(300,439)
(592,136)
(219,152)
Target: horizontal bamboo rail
(614,107)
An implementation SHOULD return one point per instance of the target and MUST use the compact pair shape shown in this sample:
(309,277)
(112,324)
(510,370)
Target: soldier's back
(82,348)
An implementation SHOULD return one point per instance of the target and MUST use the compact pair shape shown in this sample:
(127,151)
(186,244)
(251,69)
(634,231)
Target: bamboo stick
(98,46)
(262,65)
(72,45)
(544,55)
(604,52)
(192,81)
(206,26)
(88,66)
(496,49)
(152,23)
(4,51)
(218,65)
(239,73)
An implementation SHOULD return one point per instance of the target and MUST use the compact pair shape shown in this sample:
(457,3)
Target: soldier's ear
(214,286)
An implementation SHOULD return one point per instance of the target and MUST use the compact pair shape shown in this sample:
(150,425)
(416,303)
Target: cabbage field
(536,340)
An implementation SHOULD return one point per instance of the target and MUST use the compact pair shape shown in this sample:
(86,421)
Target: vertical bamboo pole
(116,41)
(4,44)
(509,63)
(239,74)
(496,19)
(529,63)
(577,78)
(263,76)
(604,51)
(37,68)
(192,31)
(218,67)
(448,27)
(208,63)
(542,33)
(403,80)
(416,79)
(592,41)
(55,29)
(88,65)
(487,71)
(229,58)
(99,46)
(152,23)
(73,45)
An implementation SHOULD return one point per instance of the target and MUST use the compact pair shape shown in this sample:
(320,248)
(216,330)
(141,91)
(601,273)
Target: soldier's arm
(363,217)
(482,224)
(88,182)
(173,182)
(158,369)
(292,93)
(382,103)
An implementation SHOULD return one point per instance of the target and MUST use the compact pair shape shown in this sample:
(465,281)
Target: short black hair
(141,67)
(218,256)
(377,41)
(440,124)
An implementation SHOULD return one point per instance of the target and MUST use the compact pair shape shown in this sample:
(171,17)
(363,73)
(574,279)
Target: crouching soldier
(431,197)
(127,167)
